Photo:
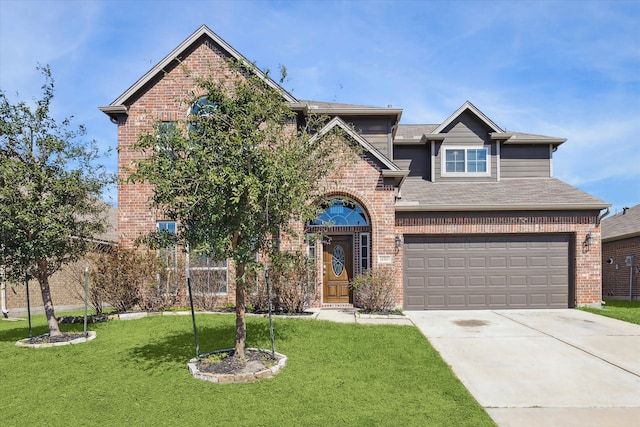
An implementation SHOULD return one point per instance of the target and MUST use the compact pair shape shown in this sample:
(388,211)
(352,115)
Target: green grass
(135,373)
(629,311)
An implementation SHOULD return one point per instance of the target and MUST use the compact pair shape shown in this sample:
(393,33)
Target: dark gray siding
(375,130)
(524,161)
(467,129)
(418,158)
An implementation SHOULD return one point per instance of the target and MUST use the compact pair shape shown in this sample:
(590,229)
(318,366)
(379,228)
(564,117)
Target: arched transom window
(341,212)
(203,107)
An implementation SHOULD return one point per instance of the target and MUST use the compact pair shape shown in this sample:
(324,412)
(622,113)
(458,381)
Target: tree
(237,173)
(49,192)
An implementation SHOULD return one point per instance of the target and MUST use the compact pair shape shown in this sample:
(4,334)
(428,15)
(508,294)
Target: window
(311,247)
(168,226)
(365,255)
(467,161)
(203,107)
(341,212)
(208,276)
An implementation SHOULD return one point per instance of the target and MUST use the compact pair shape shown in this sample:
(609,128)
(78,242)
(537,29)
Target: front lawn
(135,373)
(629,311)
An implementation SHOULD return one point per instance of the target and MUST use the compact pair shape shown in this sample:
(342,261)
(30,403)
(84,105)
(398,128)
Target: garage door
(477,272)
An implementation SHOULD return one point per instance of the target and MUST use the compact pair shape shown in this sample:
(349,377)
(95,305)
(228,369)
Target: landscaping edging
(91,335)
(281,362)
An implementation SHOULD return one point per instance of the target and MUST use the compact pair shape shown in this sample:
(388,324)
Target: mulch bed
(227,363)
(46,339)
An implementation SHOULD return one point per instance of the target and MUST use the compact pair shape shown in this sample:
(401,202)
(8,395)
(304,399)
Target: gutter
(601,217)
(411,206)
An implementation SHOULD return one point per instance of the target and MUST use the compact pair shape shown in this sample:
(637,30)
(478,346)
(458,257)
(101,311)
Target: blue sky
(567,69)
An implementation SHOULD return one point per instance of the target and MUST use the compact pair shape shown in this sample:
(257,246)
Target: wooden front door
(338,269)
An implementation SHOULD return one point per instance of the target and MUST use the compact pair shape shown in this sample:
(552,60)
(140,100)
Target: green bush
(373,291)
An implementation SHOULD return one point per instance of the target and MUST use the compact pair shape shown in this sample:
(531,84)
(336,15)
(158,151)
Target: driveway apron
(542,367)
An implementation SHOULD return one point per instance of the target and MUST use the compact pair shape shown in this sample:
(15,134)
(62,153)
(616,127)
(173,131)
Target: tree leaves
(50,188)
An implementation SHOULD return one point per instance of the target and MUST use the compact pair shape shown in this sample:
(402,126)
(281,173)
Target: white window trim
(369,246)
(443,161)
(214,268)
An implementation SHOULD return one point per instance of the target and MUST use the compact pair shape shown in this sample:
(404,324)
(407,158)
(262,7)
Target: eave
(621,237)
(417,207)
(398,176)
(513,138)
(310,108)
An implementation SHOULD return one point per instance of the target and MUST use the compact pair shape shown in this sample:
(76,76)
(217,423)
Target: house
(67,284)
(621,255)
(465,214)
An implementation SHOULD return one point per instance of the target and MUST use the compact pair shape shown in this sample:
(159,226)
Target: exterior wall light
(398,242)
(588,239)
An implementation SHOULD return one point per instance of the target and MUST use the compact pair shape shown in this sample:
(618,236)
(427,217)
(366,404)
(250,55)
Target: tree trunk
(43,280)
(241,324)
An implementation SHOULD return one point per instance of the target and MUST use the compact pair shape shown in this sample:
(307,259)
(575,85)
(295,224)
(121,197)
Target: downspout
(601,217)
(3,293)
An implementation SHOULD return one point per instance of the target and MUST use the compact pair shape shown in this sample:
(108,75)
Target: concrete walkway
(350,315)
(542,367)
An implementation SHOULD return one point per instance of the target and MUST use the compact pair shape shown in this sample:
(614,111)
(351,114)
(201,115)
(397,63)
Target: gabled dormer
(461,147)
(468,146)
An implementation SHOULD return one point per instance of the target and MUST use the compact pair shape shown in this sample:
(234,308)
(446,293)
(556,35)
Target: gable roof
(119,105)
(623,225)
(472,108)
(392,170)
(505,195)
(421,133)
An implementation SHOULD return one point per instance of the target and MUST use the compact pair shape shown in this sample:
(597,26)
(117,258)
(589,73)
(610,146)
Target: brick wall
(616,276)
(67,291)
(360,180)
(587,259)
(166,100)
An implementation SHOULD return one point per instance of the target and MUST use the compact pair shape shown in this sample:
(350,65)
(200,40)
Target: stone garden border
(281,362)
(91,335)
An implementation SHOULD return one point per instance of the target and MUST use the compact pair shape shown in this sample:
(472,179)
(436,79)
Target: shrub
(292,280)
(126,279)
(373,291)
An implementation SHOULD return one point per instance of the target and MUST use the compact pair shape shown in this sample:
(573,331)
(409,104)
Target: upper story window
(202,107)
(465,161)
(167,226)
(341,212)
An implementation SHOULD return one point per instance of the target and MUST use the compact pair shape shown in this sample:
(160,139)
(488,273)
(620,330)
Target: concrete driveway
(542,367)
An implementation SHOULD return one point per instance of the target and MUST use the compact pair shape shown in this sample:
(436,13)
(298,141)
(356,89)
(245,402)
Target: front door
(338,269)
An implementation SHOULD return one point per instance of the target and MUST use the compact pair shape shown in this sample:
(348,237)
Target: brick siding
(587,267)
(616,276)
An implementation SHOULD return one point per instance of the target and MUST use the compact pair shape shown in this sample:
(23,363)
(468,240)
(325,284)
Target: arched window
(199,113)
(202,107)
(341,212)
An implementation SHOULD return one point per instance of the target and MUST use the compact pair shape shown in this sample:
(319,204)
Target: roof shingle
(507,194)
(622,225)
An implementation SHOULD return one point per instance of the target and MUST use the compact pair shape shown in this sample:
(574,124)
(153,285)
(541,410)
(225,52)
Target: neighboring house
(67,285)
(465,214)
(621,255)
